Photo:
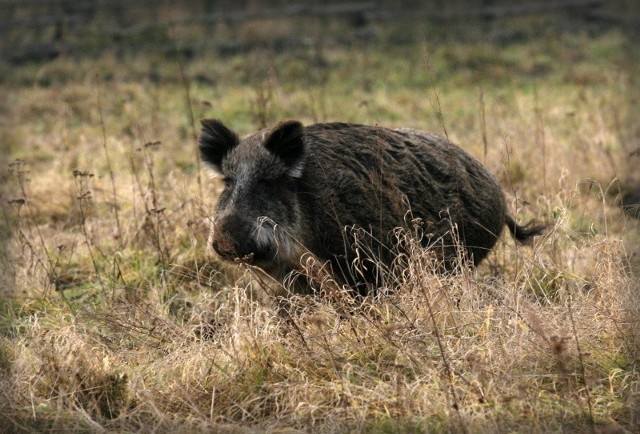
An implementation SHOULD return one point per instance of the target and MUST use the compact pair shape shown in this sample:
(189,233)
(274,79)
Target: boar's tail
(524,233)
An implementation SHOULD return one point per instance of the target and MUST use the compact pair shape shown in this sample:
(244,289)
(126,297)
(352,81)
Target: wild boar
(339,190)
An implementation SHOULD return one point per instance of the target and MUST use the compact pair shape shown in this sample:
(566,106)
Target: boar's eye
(282,180)
(281,183)
(264,182)
(228,181)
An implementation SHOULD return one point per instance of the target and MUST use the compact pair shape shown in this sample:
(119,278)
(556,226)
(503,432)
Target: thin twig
(435,102)
(483,124)
(540,136)
(592,424)
(109,166)
(82,197)
(186,86)
(17,168)
(448,371)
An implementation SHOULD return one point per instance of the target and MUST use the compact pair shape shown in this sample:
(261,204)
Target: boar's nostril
(223,244)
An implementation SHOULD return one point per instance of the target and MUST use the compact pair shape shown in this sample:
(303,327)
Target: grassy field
(115,317)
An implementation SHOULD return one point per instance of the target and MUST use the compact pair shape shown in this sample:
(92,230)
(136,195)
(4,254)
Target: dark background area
(37,30)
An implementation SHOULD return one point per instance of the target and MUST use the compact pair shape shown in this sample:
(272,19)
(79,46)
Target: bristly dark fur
(339,190)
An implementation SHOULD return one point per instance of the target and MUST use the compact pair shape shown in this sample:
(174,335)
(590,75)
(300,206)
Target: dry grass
(115,318)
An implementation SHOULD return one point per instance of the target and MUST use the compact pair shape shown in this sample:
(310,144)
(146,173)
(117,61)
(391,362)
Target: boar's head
(257,217)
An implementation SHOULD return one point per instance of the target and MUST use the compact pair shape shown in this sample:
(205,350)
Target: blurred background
(37,30)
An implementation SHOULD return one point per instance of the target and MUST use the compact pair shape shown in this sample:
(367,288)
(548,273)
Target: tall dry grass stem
(583,373)
(154,219)
(186,88)
(115,205)
(19,171)
(483,123)
(262,102)
(84,197)
(541,137)
(434,98)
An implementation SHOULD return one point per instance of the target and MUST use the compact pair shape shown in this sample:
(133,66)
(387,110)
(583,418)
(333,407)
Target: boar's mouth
(245,251)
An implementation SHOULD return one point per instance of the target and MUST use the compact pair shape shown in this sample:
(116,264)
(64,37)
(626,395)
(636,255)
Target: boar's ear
(286,142)
(215,142)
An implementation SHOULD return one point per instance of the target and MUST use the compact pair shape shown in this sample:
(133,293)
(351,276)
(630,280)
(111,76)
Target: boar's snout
(223,244)
(233,238)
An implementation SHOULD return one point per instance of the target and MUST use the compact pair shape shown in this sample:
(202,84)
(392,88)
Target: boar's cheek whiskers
(264,233)
(269,234)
